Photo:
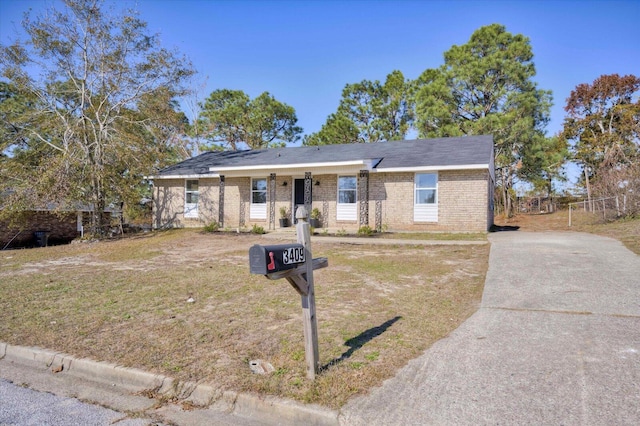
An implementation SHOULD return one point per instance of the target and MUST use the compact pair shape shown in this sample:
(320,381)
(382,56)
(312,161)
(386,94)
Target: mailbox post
(294,263)
(309,319)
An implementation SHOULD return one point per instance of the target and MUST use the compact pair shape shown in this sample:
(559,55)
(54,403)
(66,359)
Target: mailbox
(265,260)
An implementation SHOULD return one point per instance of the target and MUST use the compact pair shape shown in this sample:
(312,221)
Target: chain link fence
(604,209)
(537,205)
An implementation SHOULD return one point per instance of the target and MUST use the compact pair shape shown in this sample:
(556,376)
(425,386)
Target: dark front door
(298,196)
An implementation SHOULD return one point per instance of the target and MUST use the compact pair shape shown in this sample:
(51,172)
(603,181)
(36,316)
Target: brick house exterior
(443,184)
(59,227)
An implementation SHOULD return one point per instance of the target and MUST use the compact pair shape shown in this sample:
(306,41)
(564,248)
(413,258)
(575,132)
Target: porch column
(363,197)
(308,185)
(221,202)
(242,218)
(272,201)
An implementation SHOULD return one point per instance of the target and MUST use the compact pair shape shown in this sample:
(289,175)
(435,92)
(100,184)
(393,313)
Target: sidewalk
(556,341)
(290,236)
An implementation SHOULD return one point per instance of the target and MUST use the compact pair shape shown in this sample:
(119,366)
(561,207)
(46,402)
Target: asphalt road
(22,406)
(62,400)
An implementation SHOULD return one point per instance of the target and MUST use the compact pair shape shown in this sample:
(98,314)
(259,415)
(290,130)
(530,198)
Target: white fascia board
(273,167)
(432,168)
(194,176)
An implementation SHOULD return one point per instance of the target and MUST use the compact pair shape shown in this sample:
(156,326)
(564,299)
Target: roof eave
(364,164)
(295,168)
(432,168)
(184,176)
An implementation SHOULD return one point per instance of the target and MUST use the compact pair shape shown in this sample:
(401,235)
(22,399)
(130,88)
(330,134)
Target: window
(347,189)
(347,197)
(426,188)
(258,208)
(191,199)
(425,207)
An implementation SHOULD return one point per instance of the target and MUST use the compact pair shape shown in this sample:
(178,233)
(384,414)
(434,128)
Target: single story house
(443,184)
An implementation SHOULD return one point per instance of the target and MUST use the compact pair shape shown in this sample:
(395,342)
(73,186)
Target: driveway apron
(555,341)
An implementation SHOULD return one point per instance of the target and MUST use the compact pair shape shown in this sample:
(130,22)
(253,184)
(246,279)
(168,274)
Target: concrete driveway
(556,341)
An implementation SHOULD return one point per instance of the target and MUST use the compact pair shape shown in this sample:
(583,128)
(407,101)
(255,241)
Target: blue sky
(304,52)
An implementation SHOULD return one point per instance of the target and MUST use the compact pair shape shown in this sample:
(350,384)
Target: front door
(298,196)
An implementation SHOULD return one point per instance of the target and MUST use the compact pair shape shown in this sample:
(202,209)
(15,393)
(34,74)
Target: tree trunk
(506,198)
(97,210)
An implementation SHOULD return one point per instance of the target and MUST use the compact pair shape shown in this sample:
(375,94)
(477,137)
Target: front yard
(128,302)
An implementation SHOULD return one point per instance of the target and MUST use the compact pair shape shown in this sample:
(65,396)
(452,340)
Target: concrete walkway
(556,341)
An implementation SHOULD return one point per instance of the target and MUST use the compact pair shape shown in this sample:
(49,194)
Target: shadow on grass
(501,228)
(360,340)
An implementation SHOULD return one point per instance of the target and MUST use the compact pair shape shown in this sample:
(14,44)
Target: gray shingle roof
(458,151)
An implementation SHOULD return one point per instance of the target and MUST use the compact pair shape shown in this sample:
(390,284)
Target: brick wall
(208,201)
(168,203)
(463,202)
(61,228)
(169,198)
(463,199)
(396,191)
(324,198)
(284,198)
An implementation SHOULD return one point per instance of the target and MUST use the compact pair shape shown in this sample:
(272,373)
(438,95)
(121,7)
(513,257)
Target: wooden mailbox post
(295,263)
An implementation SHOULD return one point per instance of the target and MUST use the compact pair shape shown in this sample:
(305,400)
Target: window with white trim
(258,208)
(425,208)
(191,196)
(347,197)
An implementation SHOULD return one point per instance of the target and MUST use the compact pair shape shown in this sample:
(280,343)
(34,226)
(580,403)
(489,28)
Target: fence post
(570,215)
(604,210)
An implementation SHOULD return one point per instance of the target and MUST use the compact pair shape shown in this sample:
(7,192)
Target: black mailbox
(265,260)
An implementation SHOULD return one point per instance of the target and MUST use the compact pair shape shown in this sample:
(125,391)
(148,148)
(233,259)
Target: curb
(100,372)
(268,410)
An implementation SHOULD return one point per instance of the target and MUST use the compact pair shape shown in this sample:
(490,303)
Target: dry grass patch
(625,230)
(437,236)
(126,302)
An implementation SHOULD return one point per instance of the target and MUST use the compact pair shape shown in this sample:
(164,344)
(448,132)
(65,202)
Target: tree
(544,161)
(369,111)
(230,119)
(603,124)
(338,129)
(87,129)
(159,128)
(486,87)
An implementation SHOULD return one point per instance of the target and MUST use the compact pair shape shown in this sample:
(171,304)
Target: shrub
(365,230)
(257,229)
(283,212)
(212,227)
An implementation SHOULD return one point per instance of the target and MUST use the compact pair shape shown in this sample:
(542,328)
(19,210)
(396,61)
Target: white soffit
(317,168)
(432,168)
(193,176)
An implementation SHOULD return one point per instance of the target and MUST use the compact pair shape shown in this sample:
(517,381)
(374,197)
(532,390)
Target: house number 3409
(293,255)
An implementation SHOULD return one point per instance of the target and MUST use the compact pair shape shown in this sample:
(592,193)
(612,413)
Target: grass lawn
(125,302)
